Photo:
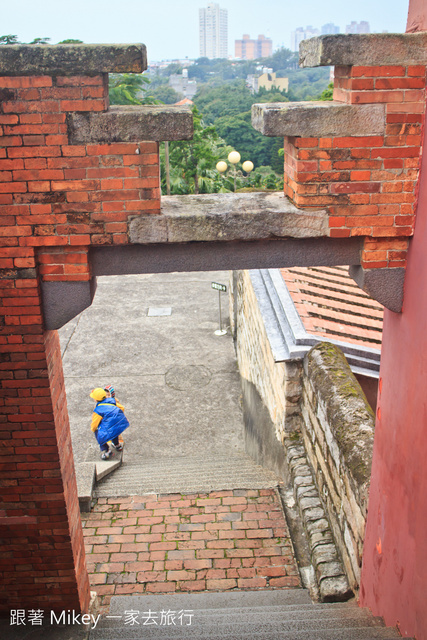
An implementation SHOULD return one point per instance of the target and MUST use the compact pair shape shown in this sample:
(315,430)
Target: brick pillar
(368,184)
(42,560)
(56,199)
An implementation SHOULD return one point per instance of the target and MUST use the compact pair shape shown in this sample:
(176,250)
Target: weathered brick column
(359,155)
(57,198)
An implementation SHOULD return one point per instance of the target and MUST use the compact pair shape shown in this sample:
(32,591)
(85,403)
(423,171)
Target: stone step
(186,475)
(216,600)
(264,615)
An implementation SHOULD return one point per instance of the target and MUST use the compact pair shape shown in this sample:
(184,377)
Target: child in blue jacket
(108,421)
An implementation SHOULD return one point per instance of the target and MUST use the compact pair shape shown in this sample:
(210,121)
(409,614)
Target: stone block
(78,59)
(329,570)
(309,503)
(320,537)
(130,124)
(324,553)
(374,49)
(318,119)
(335,589)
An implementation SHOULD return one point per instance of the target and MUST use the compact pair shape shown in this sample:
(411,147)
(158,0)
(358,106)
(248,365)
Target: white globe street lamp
(234,158)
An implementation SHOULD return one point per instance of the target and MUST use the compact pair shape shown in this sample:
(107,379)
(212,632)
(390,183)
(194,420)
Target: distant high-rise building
(247,49)
(213,31)
(358,27)
(301,34)
(329,28)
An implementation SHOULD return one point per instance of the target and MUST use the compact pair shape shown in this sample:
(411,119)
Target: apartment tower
(213,31)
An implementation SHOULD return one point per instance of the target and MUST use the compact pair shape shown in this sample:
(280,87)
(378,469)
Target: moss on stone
(350,418)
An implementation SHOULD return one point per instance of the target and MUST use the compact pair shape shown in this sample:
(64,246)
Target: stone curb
(329,570)
(90,472)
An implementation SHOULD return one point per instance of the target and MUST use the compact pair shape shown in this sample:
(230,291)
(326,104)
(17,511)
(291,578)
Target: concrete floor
(178,381)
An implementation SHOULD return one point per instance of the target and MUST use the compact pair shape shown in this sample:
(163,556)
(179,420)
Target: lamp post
(234,158)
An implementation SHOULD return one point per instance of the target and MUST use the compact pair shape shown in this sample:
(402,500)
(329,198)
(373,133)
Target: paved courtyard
(219,541)
(177,380)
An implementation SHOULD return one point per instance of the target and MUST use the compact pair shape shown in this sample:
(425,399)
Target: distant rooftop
(332,306)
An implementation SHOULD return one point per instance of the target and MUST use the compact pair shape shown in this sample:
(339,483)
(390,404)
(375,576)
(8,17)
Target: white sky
(169,28)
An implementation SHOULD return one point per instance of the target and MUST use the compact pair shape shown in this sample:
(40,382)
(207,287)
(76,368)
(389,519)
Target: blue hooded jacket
(113,420)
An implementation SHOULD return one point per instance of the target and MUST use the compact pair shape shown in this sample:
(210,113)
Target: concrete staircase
(239,615)
(186,475)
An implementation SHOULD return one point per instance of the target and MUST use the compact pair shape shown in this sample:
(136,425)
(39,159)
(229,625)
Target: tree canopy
(129,88)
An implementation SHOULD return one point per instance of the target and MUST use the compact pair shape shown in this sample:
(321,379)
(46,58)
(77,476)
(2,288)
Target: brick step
(186,475)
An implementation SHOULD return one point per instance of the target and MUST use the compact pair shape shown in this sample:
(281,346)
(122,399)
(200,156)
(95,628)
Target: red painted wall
(417,16)
(394,573)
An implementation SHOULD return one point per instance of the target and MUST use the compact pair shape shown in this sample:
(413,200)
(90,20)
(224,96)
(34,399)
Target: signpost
(220,288)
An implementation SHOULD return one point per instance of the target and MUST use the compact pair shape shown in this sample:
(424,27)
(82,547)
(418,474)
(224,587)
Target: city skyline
(171,31)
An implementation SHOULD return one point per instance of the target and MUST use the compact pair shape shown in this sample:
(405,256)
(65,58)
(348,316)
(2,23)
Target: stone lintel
(130,124)
(219,256)
(384,285)
(71,59)
(368,49)
(318,119)
(227,217)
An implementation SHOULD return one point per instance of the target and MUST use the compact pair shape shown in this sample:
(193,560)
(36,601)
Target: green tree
(166,94)
(192,162)
(71,41)
(129,88)
(171,69)
(217,101)
(40,41)
(282,59)
(328,93)
(9,39)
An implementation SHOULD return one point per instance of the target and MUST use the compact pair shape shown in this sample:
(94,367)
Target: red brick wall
(55,201)
(41,564)
(367,183)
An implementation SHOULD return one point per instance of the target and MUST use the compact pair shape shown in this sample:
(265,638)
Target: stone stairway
(186,475)
(238,615)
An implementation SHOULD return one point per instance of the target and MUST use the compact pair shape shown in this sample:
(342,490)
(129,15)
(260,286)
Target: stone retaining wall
(320,400)
(278,384)
(338,433)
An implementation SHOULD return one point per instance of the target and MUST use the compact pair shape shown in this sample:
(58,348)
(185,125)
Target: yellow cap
(98,394)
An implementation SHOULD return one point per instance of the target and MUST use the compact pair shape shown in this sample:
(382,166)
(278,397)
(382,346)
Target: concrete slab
(226,217)
(150,362)
(85,473)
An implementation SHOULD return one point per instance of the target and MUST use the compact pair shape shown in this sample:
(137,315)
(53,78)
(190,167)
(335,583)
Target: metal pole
(234,178)
(168,179)
(220,331)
